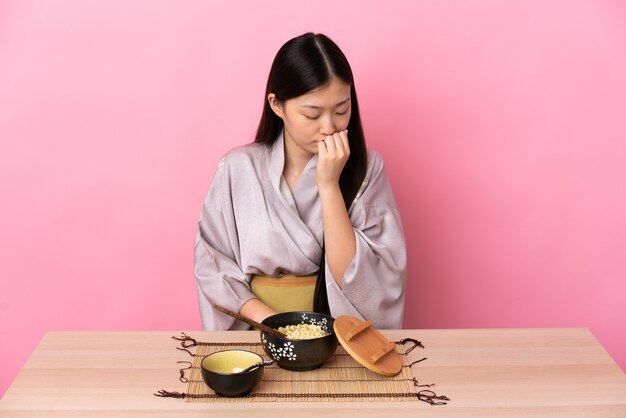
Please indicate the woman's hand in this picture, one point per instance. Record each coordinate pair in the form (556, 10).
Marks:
(256, 310)
(333, 152)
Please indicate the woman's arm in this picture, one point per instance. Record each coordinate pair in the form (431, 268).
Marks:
(220, 277)
(256, 310)
(372, 286)
(339, 238)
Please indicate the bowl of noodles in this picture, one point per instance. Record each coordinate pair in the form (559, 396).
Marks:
(310, 340)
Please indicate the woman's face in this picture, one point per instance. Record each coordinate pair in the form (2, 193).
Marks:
(311, 117)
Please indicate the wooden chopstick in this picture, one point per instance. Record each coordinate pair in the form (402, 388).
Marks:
(249, 321)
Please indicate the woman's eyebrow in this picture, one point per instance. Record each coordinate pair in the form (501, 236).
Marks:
(318, 107)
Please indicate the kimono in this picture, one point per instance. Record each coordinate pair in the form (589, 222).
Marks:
(249, 224)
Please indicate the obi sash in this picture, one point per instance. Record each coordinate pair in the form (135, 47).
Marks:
(285, 294)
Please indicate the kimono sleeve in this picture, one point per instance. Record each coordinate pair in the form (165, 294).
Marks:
(220, 279)
(373, 284)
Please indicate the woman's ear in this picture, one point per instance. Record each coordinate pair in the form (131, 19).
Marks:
(276, 105)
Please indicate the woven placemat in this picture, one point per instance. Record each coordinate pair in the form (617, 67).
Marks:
(341, 378)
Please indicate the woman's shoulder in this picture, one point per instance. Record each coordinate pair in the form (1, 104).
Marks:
(238, 162)
(375, 190)
(375, 163)
(243, 155)
(246, 151)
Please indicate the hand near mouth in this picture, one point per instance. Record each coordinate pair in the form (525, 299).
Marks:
(333, 152)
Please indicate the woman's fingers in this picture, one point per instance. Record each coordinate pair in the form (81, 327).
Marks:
(337, 144)
(321, 149)
(344, 141)
(330, 144)
(333, 152)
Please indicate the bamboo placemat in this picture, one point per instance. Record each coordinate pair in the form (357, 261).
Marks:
(341, 378)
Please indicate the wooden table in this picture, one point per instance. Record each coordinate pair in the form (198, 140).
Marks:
(485, 373)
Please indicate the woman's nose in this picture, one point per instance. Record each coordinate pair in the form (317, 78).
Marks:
(328, 127)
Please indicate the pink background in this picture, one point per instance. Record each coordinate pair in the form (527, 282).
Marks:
(502, 124)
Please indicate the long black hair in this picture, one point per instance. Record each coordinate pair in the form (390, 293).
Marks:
(302, 64)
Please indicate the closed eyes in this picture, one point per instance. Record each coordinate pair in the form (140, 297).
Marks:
(313, 118)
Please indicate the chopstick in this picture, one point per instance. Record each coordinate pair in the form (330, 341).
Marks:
(249, 321)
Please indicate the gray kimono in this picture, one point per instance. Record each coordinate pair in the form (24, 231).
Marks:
(247, 226)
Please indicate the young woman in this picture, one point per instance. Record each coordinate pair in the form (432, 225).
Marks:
(304, 218)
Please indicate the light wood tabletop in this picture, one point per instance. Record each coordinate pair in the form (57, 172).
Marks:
(485, 373)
